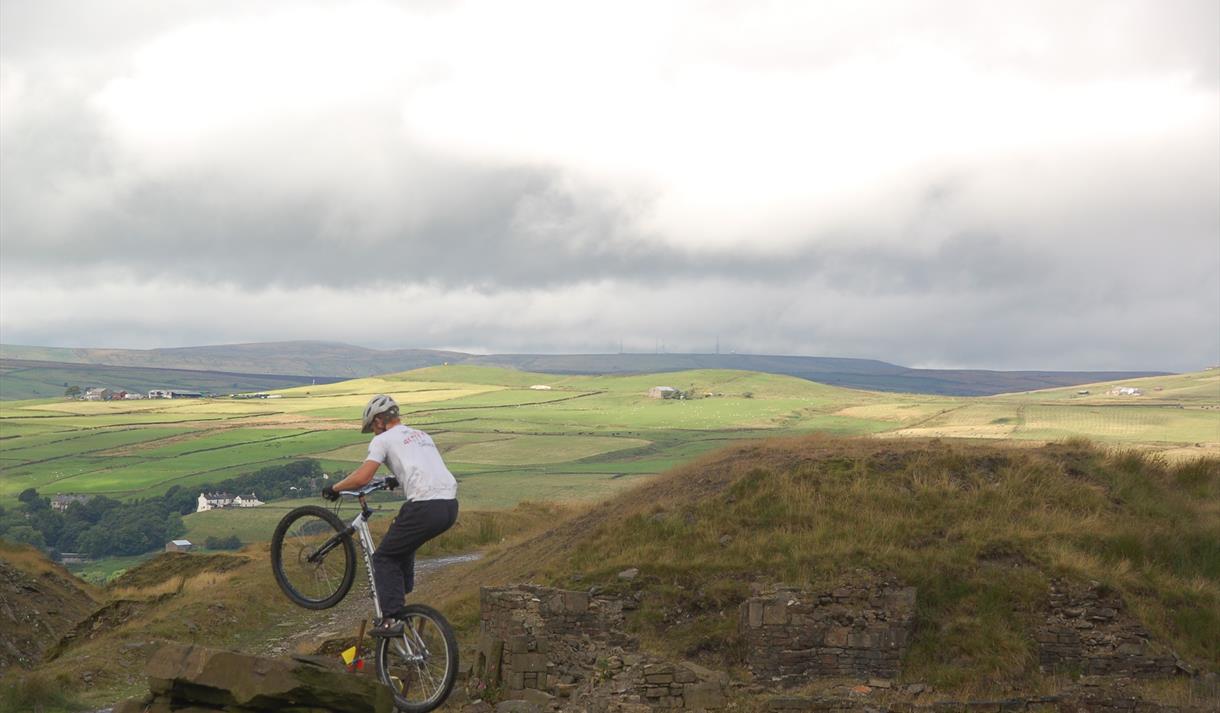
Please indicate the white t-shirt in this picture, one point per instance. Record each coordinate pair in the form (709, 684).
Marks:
(413, 458)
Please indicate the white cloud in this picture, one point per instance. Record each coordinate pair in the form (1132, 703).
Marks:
(561, 157)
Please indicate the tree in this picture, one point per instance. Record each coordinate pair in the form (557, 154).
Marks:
(223, 543)
(72, 392)
(33, 501)
(27, 535)
(174, 527)
(96, 542)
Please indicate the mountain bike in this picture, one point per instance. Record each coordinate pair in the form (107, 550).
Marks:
(313, 557)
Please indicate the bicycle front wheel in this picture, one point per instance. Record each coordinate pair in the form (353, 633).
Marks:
(421, 665)
(313, 557)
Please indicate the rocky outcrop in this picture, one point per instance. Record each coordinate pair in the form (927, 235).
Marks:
(39, 602)
(1038, 704)
(1088, 630)
(201, 679)
(1090, 694)
(569, 651)
(794, 636)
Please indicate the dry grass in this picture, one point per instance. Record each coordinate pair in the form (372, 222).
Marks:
(979, 528)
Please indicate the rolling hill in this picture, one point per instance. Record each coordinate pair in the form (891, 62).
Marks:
(583, 437)
(25, 379)
(330, 359)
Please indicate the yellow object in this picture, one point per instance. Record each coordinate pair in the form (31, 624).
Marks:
(349, 656)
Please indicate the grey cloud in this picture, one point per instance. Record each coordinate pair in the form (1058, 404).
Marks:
(1125, 275)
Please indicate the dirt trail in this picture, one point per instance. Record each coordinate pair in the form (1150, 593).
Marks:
(308, 632)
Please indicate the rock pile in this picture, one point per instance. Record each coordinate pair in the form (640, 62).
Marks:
(182, 676)
(794, 636)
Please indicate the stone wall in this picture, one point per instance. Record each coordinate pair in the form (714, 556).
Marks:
(565, 649)
(1088, 630)
(859, 631)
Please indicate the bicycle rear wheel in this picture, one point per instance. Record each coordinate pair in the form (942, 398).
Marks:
(420, 666)
(313, 557)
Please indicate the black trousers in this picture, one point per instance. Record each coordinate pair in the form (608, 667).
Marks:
(394, 561)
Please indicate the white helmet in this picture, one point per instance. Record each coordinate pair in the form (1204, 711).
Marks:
(377, 406)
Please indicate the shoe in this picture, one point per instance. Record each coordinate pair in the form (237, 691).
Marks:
(387, 628)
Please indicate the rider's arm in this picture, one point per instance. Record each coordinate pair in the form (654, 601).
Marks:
(359, 477)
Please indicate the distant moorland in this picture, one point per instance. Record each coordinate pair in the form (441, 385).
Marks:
(334, 360)
(26, 379)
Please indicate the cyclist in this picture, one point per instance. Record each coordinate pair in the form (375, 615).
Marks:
(431, 507)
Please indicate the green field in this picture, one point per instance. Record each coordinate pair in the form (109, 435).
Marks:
(585, 437)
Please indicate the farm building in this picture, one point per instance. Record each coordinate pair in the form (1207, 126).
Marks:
(61, 502)
(540, 387)
(217, 501)
(662, 392)
(178, 546)
(173, 394)
(97, 393)
(1126, 391)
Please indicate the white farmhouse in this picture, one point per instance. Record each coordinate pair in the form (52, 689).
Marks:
(540, 387)
(217, 501)
(213, 501)
(662, 392)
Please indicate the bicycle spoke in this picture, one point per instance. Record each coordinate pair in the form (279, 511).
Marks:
(419, 661)
(312, 577)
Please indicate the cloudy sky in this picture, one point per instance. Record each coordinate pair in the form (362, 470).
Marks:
(935, 183)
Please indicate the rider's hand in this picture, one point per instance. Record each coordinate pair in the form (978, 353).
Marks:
(391, 483)
(329, 493)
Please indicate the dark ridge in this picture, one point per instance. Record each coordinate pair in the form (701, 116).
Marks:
(329, 361)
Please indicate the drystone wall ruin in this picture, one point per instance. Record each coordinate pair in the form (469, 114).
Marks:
(1088, 630)
(555, 647)
(546, 649)
(858, 631)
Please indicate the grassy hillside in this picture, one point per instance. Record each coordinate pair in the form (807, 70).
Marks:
(869, 374)
(22, 379)
(980, 529)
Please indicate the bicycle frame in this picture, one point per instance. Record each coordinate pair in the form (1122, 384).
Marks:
(360, 527)
(410, 648)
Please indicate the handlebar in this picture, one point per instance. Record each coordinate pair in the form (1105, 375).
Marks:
(387, 483)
